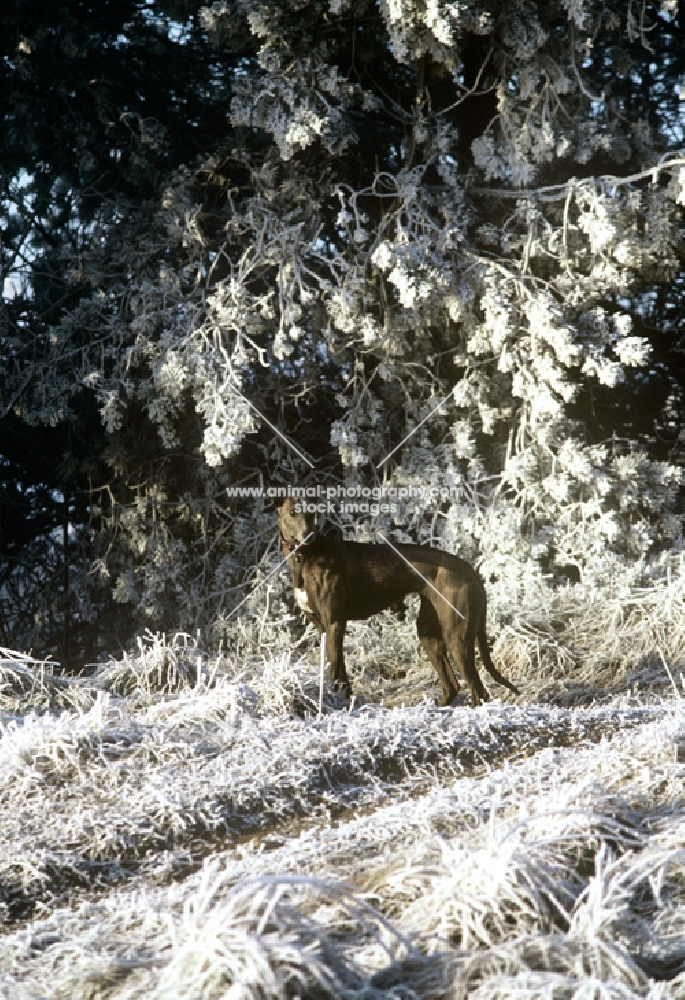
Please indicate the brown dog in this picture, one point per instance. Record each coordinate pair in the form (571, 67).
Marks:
(338, 581)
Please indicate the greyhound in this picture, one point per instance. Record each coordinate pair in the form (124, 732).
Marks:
(338, 581)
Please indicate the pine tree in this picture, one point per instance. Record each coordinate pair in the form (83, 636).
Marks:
(345, 216)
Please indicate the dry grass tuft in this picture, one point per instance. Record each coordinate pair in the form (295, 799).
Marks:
(29, 683)
(580, 643)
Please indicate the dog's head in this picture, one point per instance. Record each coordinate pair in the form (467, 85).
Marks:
(295, 525)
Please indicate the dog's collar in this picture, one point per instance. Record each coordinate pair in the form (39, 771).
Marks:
(288, 547)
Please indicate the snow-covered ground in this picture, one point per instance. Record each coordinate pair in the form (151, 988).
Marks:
(179, 827)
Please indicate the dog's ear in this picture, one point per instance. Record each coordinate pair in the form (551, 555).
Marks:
(278, 501)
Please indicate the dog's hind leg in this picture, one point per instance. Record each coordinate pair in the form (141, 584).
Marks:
(460, 639)
(431, 638)
(463, 648)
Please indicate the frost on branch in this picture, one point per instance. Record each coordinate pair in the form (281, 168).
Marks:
(435, 224)
(295, 114)
(227, 419)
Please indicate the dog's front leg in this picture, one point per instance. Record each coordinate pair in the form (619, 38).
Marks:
(335, 633)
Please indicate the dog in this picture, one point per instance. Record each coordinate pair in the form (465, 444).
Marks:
(339, 581)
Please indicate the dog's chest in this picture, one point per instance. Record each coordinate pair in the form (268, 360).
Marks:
(302, 599)
(316, 589)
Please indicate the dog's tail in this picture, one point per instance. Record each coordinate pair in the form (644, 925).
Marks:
(487, 659)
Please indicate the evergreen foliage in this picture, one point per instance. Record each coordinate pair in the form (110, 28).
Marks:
(339, 212)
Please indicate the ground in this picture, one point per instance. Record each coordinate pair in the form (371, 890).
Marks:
(183, 826)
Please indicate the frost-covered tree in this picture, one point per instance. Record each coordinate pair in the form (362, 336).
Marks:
(339, 214)
(102, 101)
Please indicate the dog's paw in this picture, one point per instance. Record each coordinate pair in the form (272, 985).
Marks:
(343, 688)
